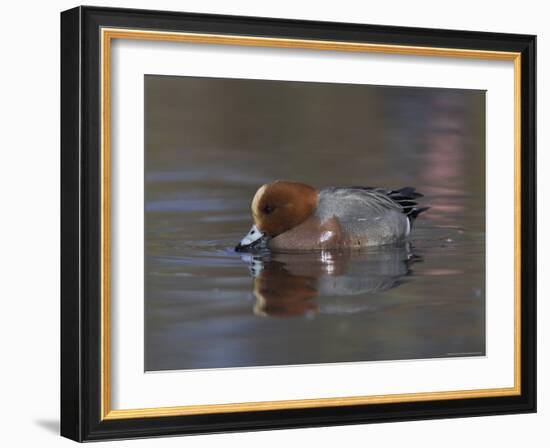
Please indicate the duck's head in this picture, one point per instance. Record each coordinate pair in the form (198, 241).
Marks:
(276, 208)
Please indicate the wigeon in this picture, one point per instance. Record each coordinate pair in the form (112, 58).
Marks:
(294, 216)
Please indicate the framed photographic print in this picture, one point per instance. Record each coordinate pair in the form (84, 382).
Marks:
(274, 223)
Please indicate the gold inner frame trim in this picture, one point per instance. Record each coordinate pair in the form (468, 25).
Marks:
(107, 35)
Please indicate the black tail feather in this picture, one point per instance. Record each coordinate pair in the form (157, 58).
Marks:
(415, 212)
(406, 198)
(407, 192)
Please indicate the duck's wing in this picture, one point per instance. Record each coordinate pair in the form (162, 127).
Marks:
(406, 197)
(355, 202)
(405, 192)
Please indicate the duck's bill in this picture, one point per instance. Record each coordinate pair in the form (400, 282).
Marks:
(254, 239)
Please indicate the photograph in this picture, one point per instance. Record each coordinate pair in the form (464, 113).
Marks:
(291, 223)
(273, 223)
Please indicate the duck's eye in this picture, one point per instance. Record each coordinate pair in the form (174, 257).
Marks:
(267, 209)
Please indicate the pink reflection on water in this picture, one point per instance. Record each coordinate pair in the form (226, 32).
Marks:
(443, 171)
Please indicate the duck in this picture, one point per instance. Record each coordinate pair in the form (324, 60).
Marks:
(293, 216)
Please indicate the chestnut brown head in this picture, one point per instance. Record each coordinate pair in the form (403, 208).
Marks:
(282, 205)
(278, 207)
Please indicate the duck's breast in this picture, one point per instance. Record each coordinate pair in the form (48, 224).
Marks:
(312, 234)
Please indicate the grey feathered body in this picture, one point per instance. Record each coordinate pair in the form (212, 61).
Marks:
(369, 216)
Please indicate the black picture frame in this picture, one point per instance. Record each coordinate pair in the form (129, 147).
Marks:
(81, 224)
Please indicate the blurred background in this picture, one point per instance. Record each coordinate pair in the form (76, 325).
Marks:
(210, 143)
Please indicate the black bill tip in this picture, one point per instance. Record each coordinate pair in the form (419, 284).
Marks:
(259, 244)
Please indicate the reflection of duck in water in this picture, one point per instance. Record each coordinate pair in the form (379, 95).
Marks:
(295, 216)
(290, 284)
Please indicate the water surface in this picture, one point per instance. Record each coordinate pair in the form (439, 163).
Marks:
(210, 143)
